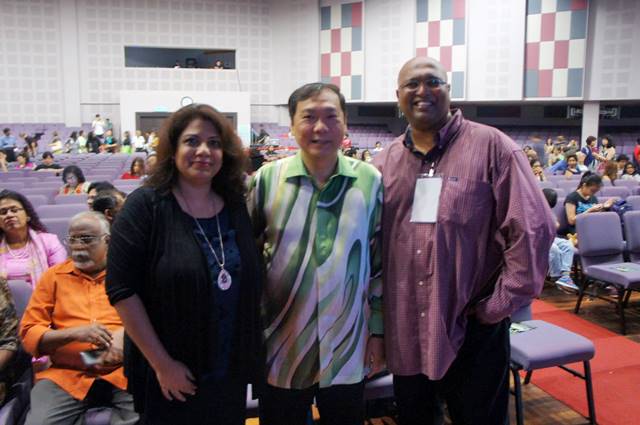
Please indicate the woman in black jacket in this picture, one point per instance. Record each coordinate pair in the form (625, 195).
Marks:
(184, 274)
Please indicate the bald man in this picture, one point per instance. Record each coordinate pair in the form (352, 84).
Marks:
(70, 319)
(466, 238)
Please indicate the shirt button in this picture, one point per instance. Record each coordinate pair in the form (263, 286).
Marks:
(420, 283)
(419, 252)
(422, 314)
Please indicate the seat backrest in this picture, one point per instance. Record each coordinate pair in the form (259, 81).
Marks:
(70, 199)
(599, 238)
(21, 293)
(61, 211)
(59, 226)
(632, 233)
(621, 192)
(634, 201)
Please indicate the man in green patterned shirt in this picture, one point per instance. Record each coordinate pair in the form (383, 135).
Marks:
(317, 217)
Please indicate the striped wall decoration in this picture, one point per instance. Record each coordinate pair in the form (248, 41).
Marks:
(341, 50)
(441, 34)
(555, 48)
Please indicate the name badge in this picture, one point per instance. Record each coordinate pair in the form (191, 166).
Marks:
(426, 199)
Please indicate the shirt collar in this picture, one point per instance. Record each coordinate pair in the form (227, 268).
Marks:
(69, 268)
(444, 135)
(297, 168)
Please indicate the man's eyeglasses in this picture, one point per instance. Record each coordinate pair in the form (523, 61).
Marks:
(12, 210)
(83, 239)
(432, 83)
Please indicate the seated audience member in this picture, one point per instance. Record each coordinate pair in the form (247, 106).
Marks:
(11, 365)
(139, 143)
(582, 167)
(572, 166)
(94, 143)
(561, 252)
(218, 64)
(150, 163)
(26, 250)
(93, 190)
(68, 314)
(623, 160)
(110, 143)
(126, 143)
(630, 172)
(82, 142)
(583, 200)
(136, 171)
(56, 146)
(48, 163)
(7, 140)
(636, 152)
(538, 171)
(24, 163)
(555, 156)
(365, 156)
(3, 162)
(109, 202)
(610, 172)
(378, 147)
(71, 145)
(74, 181)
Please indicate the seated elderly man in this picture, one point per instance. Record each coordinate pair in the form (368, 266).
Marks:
(70, 319)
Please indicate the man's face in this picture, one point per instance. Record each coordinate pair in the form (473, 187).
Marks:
(48, 160)
(88, 245)
(423, 95)
(319, 125)
(572, 162)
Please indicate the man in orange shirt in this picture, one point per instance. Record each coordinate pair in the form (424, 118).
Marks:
(68, 314)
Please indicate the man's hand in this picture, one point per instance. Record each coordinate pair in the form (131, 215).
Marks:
(95, 333)
(375, 358)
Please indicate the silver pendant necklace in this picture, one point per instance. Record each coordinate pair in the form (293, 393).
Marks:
(224, 277)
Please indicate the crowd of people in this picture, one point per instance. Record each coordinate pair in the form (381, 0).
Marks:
(315, 273)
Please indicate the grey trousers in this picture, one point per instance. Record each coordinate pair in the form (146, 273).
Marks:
(51, 405)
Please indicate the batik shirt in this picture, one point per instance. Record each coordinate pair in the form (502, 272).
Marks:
(323, 294)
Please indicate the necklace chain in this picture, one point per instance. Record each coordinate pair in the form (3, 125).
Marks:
(21, 254)
(220, 263)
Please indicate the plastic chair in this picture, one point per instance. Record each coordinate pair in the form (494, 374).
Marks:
(601, 258)
(634, 201)
(547, 345)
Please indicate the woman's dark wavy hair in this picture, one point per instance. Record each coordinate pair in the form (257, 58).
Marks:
(590, 178)
(35, 222)
(137, 159)
(229, 182)
(73, 169)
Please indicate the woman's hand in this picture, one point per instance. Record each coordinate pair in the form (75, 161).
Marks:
(176, 380)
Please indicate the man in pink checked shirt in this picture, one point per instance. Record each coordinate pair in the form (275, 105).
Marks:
(466, 238)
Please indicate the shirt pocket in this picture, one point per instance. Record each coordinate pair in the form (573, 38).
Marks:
(464, 201)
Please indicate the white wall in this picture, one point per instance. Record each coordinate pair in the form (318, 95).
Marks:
(30, 62)
(389, 43)
(496, 38)
(613, 60)
(169, 101)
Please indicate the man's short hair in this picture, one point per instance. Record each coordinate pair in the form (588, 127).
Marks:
(106, 199)
(623, 157)
(310, 90)
(47, 154)
(6, 130)
(590, 139)
(104, 223)
(99, 186)
(551, 196)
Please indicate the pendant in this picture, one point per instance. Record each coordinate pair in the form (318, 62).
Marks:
(224, 280)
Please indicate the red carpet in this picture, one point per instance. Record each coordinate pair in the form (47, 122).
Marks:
(615, 370)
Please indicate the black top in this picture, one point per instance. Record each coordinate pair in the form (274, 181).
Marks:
(224, 303)
(48, 167)
(581, 204)
(155, 254)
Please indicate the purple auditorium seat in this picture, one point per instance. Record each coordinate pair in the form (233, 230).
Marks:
(601, 258)
(60, 211)
(611, 191)
(632, 185)
(70, 199)
(634, 201)
(547, 184)
(37, 200)
(546, 345)
(48, 193)
(57, 226)
(568, 185)
(632, 233)
(562, 193)
(14, 185)
(21, 293)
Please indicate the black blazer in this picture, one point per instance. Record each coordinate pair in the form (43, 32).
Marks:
(154, 254)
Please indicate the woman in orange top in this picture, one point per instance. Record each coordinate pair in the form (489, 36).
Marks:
(74, 181)
(137, 170)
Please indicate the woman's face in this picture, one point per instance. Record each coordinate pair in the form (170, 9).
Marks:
(605, 143)
(138, 167)
(537, 167)
(198, 156)
(72, 179)
(630, 169)
(21, 160)
(12, 215)
(591, 189)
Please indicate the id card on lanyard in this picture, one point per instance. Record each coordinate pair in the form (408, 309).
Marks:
(426, 198)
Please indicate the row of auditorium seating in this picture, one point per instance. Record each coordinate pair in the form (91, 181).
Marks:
(622, 189)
